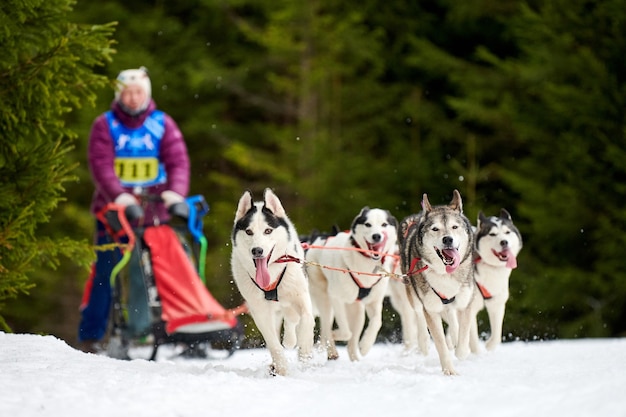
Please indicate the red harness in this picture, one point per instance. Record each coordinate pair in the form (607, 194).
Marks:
(364, 291)
(271, 292)
(483, 290)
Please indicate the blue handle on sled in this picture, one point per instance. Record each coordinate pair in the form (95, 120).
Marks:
(198, 208)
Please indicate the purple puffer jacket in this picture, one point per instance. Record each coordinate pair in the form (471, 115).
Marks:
(101, 154)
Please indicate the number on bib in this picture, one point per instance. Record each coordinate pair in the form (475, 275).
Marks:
(136, 170)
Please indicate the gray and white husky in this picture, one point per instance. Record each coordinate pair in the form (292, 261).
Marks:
(436, 254)
(267, 267)
(497, 244)
(348, 281)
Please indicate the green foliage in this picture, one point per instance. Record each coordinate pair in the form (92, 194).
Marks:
(559, 106)
(570, 113)
(45, 72)
(337, 105)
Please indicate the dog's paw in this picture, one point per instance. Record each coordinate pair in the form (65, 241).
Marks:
(341, 335)
(353, 354)
(492, 343)
(305, 355)
(450, 371)
(332, 353)
(364, 348)
(462, 352)
(275, 370)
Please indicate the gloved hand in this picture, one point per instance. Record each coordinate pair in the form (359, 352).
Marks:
(126, 199)
(171, 197)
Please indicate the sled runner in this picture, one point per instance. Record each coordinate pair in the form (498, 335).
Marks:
(163, 297)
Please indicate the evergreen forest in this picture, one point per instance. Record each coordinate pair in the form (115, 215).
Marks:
(335, 105)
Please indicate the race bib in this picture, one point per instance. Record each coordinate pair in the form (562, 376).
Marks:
(137, 170)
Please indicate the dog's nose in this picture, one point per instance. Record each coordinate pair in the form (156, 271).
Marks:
(447, 240)
(504, 243)
(376, 237)
(257, 252)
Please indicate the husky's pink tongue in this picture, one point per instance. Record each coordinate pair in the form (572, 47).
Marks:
(454, 255)
(508, 256)
(262, 277)
(511, 260)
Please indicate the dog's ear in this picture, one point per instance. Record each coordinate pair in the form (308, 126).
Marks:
(457, 202)
(273, 204)
(505, 215)
(244, 205)
(425, 203)
(481, 219)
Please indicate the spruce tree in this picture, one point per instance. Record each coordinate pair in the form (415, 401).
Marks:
(46, 71)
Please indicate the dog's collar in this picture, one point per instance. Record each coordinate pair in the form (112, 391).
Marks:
(356, 245)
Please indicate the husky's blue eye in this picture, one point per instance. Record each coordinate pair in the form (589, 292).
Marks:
(249, 232)
(268, 231)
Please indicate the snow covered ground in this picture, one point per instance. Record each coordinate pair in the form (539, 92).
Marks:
(43, 376)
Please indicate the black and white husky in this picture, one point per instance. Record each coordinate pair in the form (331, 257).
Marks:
(267, 267)
(436, 255)
(498, 242)
(348, 280)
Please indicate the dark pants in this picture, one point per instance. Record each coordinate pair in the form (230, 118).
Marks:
(97, 297)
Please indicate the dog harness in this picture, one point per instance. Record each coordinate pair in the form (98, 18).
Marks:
(443, 299)
(271, 293)
(483, 291)
(137, 150)
(414, 271)
(363, 291)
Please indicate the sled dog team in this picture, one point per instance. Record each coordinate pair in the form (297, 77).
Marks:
(434, 265)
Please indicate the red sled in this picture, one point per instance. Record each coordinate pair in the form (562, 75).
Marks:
(163, 299)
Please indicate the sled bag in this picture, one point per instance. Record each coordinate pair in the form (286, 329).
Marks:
(186, 304)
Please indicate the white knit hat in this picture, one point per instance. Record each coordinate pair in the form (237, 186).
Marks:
(137, 77)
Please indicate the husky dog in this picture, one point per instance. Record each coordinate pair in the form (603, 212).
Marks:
(415, 335)
(348, 280)
(266, 265)
(497, 244)
(436, 254)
